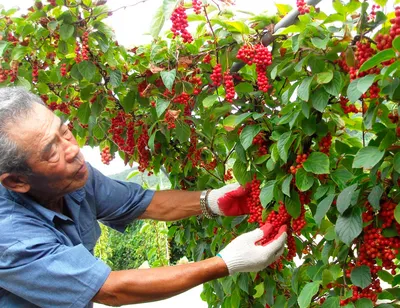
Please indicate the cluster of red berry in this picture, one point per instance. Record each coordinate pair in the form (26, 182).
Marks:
(63, 107)
(384, 41)
(194, 154)
(63, 69)
(106, 156)
(85, 46)
(302, 7)
(347, 108)
(170, 117)
(216, 76)
(119, 123)
(207, 58)
(375, 249)
(143, 151)
(196, 4)
(393, 117)
(229, 87)
(261, 141)
(12, 39)
(180, 24)
(35, 72)
(209, 166)
(183, 98)
(52, 2)
(197, 83)
(372, 15)
(254, 203)
(262, 57)
(228, 175)
(78, 56)
(325, 144)
(300, 159)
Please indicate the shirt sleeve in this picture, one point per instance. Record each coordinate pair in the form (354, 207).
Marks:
(117, 203)
(49, 274)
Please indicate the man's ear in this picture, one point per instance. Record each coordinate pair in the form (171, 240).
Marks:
(14, 182)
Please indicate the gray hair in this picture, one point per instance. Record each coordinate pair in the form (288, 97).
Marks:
(15, 103)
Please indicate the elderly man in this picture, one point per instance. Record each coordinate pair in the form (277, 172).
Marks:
(51, 200)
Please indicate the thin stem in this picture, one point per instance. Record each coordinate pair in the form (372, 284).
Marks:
(213, 33)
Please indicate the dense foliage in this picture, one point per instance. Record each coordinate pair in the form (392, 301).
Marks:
(306, 113)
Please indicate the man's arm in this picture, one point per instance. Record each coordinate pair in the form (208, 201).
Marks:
(243, 254)
(145, 285)
(169, 205)
(229, 200)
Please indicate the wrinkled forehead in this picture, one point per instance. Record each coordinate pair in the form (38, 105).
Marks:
(31, 127)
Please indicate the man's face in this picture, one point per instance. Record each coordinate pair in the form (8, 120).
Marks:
(52, 153)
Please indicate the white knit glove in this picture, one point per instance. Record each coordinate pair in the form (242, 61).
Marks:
(243, 255)
(229, 200)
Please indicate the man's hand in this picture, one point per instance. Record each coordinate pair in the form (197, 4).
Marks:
(244, 255)
(229, 200)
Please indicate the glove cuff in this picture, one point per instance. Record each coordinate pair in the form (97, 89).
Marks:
(212, 201)
(233, 266)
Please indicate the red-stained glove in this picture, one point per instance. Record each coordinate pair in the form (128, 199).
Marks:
(244, 255)
(229, 200)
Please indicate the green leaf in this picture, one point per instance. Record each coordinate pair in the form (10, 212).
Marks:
(307, 293)
(380, 57)
(182, 131)
(128, 101)
(286, 185)
(237, 26)
(240, 172)
(293, 205)
(325, 77)
(157, 23)
(349, 226)
(358, 87)
(115, 78)
(368, 157)
(209, 101)
(396, 162)
(344, 199)
(247, 135)
(364, 303)
(335, 86)
(361, 276)
(234, 120)
(385, 276)
(19, 52)
(397, 213)
(374, 197)
(161, 106)
(3, 46)
(259, 290)
(244, 87)
(66, 31)
(87, 69)
(323, 208)
(284, 143)
(168, 78)
(243, 282)
(267, 193)
(84, 113)
(396, 43)
(304, 89)
(319, 99)
(317, 163)
(303, 180)
(331, 302)
(341, 176)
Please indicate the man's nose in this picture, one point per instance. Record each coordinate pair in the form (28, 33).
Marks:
(71, 152)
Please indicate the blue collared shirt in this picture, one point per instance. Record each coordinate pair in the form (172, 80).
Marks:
(46, 258)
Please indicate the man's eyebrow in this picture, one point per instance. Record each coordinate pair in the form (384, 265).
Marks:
(48, 146)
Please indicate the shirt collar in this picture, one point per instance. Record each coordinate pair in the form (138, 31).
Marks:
(48, 214)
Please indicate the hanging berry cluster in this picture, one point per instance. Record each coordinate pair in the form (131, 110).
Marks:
(262, 57)
(325, 144)
(216, 76)
(302, 7)
(375, 251)
(300, 159)
(106, 156)
(180, 24)
(229, 87)
(196, 4)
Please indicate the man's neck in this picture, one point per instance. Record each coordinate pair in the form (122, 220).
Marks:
(55, 204)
